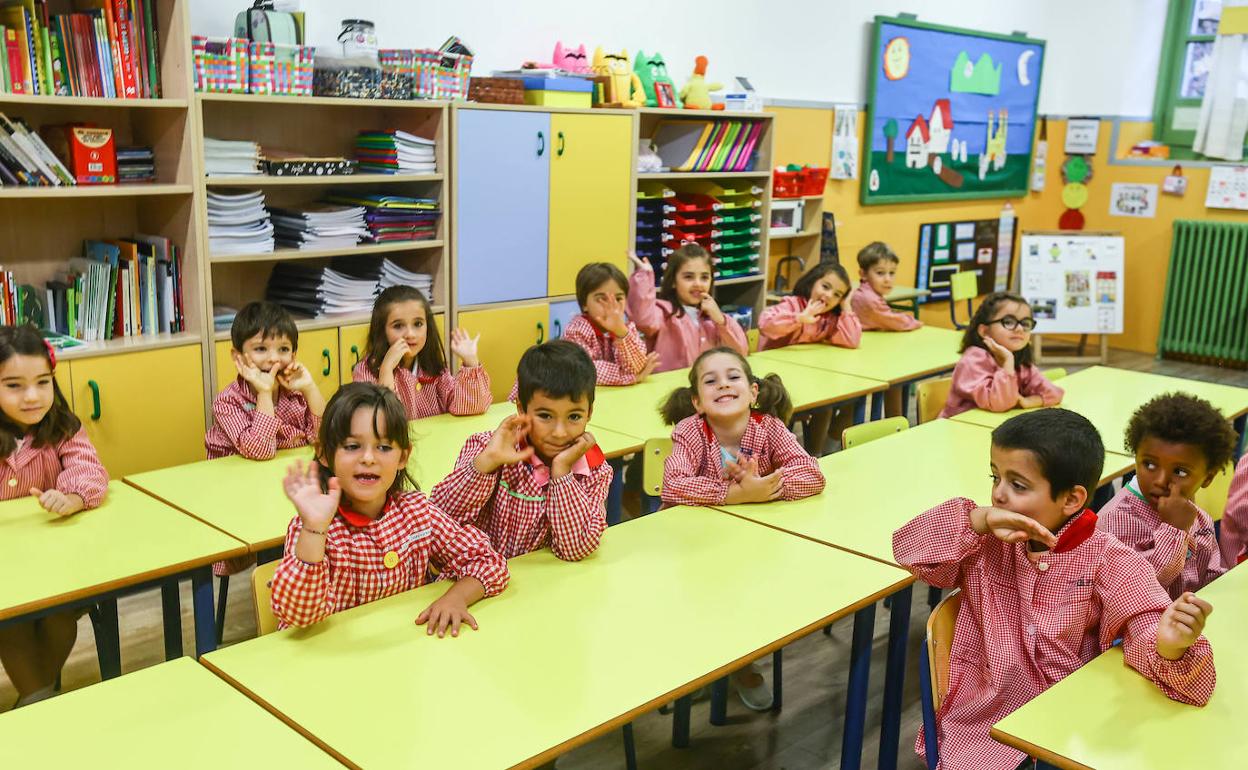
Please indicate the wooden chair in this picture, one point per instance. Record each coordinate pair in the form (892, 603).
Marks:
(261, 594)
(751, 339)
(870, 431)
(963, 287)
(1213, 497)
(656, 452)
(931, 397)
(934, 669)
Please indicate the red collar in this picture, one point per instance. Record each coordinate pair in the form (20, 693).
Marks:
(598, 330)
(755, 417)
(1075, 531)
(356, 519)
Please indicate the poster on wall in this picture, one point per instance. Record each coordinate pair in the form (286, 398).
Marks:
(1073, 282)
(1228, 188)
(1133, 200)
(845, 142)
(951, 113)
(984, 246)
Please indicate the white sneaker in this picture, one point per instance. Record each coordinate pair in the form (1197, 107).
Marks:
(757, 698)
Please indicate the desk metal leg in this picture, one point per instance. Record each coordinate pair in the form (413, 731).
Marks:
(777, 679)
(630, 749)
(905, 400)
(205, 621)
(171, 609)
(856, 694)
(860, 411)
(108, 640)
(680, 722)
(894, 678)
(719, 702)
(615, 493)
(877, 405)
(1241, 426)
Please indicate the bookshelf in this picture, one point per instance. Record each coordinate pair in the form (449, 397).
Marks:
(786, 249)
(749, 290)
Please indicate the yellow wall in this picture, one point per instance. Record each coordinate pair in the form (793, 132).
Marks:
(805, 136)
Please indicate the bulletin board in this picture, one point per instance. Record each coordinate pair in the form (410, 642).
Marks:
(1073, 281)
(951, 113)
(946, 248)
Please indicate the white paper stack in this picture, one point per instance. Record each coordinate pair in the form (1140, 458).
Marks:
(223, 157)
(393, 275)
(238, 223)
(395, 152)
(320, 291)
(320, 226)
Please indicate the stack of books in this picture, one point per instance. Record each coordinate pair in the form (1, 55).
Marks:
(223, 157)
(25, 159)
(238, 223)
(319, 226)
(136, 164)
(395, 152)
(111, 50)
(393, 275)
(394, 217)
(313, 291)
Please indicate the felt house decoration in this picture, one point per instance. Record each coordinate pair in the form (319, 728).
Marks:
(918, 137)
(940, 127)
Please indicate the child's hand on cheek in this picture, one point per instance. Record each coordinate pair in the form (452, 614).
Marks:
(262, 381)
(563, 462)
(465, 347)
(711, 308)
(296, 377)
(611, 317)
(847, 307)
(1002, 354)
(814, 309)
(501, 450)
(1176, 510)
(394, 356)
(55, 501)
(1181, 625)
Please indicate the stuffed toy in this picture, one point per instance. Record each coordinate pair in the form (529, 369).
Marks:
(697, 92)
(623, 86)
(658, 85)
(571, 60)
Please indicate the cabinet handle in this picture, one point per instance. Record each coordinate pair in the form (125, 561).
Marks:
(541, 144)
(355, 351)
(95, 399)
(557, 329)
(559, 151)
(541, 332)
(328, 361)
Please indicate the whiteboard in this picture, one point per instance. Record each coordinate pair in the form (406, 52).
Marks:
(1073, 282)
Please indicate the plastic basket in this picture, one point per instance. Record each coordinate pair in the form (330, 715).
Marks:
(221, 64)
(812, 179)
(278, 68)
(786, 184)
(440, 75)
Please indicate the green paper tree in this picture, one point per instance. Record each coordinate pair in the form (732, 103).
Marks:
(890, 133)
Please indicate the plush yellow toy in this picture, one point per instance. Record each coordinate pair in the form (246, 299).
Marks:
(697, 92)
(623, 87)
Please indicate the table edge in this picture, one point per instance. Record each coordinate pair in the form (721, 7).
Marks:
(248, 546)
(1032, 750)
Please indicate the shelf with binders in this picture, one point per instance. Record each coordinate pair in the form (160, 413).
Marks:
(704, 144)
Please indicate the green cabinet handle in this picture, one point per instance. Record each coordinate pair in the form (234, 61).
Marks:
(541, 144)
(355, 351)
(541, 332)
(328, 361)
(95, 399)
(557, 329)
(559, 151)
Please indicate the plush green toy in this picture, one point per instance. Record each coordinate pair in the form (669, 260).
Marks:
(658, 85)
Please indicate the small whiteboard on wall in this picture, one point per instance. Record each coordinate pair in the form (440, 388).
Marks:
(1073, 281)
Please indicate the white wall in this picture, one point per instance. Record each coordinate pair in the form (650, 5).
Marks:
(1101, 57)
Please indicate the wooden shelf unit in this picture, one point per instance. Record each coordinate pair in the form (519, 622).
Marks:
(805, 244)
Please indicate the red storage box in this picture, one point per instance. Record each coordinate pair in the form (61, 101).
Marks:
(811, 180)
(785, 184)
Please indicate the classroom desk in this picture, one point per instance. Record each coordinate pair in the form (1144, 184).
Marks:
(130, 543)
(175, 714)
(874, 489)
(906, 298)
(245, 497)
(668, 603)
(1105, 715)
(1108, 397)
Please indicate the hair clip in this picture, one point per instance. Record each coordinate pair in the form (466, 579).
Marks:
(51, 353)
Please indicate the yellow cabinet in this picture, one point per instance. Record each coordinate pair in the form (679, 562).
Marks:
(226, 371)
(506, 333)
(351, 343)
(318, 350)
(590, 194)
(142, 410)
(64, 382)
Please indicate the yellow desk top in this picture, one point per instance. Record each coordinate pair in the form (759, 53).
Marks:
(874, 489)
(889, 356)
(1105, 715)
(905, 293)
(1108, 397)
(176, 714)
(47, 560)
(213, 490)
(810, 387)
(568, 652)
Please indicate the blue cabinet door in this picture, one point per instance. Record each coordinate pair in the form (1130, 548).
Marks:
(502, 181)
(560, 314)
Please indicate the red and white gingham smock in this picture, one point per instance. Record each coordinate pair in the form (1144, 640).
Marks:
(467, 392)
(617, 359)
(237, 428)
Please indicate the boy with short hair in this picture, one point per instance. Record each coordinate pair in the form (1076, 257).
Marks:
(1043, 591)
(877, 266)
(539, 479)
(274, 403)
(610, 339)
(1180, 443)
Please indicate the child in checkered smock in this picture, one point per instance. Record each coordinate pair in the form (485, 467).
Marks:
(361, 535)
(45, 453)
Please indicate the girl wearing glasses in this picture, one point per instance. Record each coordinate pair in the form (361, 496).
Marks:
(996, 371)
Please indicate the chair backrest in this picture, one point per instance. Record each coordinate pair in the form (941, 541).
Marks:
(870, 431)
(1213, 497)
(939, 640)
(964, 285)
(656, 452)
(261, 592)
(931, 396)
(1055, 373)
(751, 339)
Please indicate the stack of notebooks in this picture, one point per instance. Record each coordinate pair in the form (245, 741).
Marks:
(223, 317)
(136, 164)
(25, 159)
(395, 152)
(223, 157)
(349, 286)
(121, 288)
(708, 145)
(393, 275)
(319, 226)
(394, 217)
(111, 50)
(238, 223)
(724, 220)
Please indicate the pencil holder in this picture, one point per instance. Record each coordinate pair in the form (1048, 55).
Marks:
(221, 64)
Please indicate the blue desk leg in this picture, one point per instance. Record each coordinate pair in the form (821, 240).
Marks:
(856, 694)
(630, 749)
(108, 643)
(877, 405)
(905, 398)
(1241, 425)
(894, 678)
(719, 702)
(860, 411)
(205, 621)
(171, 609)
(680, 722)
(615, 493)
(777, 679)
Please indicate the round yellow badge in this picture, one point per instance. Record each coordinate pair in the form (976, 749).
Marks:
(1074, 195)
(391, 560)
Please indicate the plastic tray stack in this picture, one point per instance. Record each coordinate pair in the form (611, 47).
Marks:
(723, 220)
(653, 216)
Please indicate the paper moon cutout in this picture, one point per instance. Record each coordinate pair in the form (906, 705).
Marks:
(1024, 59)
